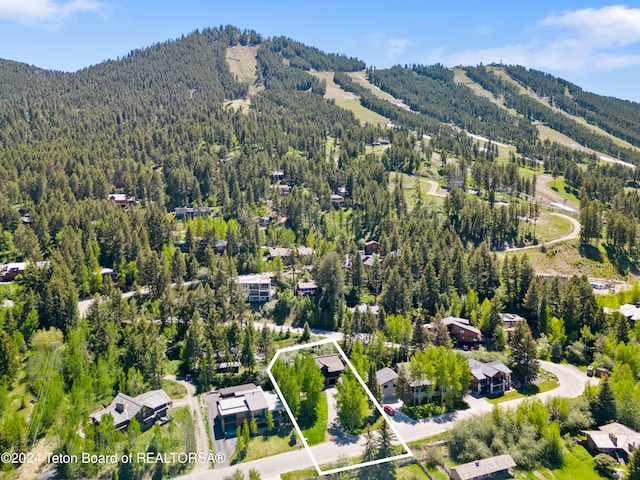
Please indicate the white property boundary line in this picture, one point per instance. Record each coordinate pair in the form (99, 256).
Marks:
(371, 397)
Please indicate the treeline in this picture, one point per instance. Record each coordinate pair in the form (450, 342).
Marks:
(615, 116)
(305, 58)
(433, 92)
(533, 110)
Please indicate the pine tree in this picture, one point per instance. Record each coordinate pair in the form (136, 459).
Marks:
(523, 352)
(604, 407)
(633, 470)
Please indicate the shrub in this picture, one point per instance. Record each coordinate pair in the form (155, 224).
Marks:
(605, 465)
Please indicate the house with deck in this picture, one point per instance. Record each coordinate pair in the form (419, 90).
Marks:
(489, 378)
(146, 408)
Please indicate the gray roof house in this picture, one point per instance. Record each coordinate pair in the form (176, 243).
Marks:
(146, 408)
(489, 378)
(499, 466)
(386, 378)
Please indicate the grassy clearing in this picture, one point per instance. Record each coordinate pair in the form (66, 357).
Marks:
(242, 62)
(349, 101)
(578, 463)
(565, 191)
(172, 367)
(525, 391)
(267, 445)
(318, 432)
(550, 227)
(547, 133)
(174, 389)
(411, 472)
(565, 258)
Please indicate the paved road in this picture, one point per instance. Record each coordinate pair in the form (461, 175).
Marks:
(572, 382)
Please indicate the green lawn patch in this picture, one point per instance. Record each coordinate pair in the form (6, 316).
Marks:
(411, 472)
(317, 433)
(266, 445)
(172, 367)
(526, 391)
(578, 463)
(174, 389)
(565, 191)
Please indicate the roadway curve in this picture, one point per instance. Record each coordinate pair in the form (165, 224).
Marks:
(574, 233)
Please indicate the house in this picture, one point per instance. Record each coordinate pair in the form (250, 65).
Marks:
(386, 378)
(121, 199)
(228, 367)
(285, 190)
(182, 213)
(631, 311)
(337, 200)
(363, 308)
(220, 247)
(500, 466)
(371, 247)
(307, 289)
(489, 378)
(257, 287)
(285, 253)
(462, 332)
(277, 175)
(509, 321)
(245, 402)
(331, 367)
(421, 388)
(146, 408)
(613, 439)
(263, 221)
(111, 274)
(12, 270)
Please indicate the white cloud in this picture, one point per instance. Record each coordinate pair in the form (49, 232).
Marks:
(46, 13)
(572, 41)
(396, 46)
(612, 26)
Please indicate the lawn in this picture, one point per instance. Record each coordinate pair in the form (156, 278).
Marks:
(318, 432)
(550, 227)
(411, 472)
(174, 389)
(578, 463)
(267, 445)
(526, 391)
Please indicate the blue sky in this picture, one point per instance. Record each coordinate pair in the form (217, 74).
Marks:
(593, 44)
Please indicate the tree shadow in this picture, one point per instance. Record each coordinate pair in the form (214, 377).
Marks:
(591, 252)
(340, 436)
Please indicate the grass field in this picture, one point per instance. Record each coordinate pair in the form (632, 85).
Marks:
(578, 464)
(174, 389)
(267, 445)
(349, 101)
(411, 472)
(561, 188)
(318, 432)
(550, 227)
(525, 391)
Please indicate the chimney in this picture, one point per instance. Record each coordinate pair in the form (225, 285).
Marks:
(614, 439)
(120, 406)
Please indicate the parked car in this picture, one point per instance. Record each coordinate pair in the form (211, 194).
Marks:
(389, 410)
(590, 371)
